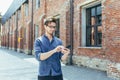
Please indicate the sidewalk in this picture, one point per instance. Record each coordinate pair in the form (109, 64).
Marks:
(19, 66)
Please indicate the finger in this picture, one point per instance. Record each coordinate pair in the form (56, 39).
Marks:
(66, 49)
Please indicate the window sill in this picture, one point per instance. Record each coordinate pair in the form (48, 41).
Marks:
(91, 47)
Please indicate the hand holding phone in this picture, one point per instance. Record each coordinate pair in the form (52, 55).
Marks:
(65, 51)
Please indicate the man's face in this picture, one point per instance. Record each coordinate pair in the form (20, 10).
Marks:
(50, 29)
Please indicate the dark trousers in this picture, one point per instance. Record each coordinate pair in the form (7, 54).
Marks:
(58, 77)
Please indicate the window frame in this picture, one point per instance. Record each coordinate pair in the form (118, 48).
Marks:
(83, 23)
(95, 26)
(36, 31)
(37, 4)
(19, 14)
(57, 31)
(26, 9)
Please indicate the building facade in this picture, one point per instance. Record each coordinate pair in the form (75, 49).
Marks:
(95, 30)
(0, 26)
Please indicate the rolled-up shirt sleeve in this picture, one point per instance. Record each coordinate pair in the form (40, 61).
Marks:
(37, 49)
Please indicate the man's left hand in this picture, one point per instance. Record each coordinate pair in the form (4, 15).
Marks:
(65, 51)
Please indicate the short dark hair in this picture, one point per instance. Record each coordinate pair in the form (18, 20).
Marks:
(47, 21)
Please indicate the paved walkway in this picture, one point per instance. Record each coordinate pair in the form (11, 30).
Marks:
(19, 66)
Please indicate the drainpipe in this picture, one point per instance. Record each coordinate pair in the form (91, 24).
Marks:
(31, 30)
(16, 31)
(70, 62)
(0, 28)
(9, 35)
(0, 22)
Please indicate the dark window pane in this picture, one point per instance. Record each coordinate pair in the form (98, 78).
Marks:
(99, 35)
(57, 28)
(37, 4)
(99, 19)
(98, 10)
(88, 36)
(93, 12)
(88, 17)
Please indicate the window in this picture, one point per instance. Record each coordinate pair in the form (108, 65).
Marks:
(19, 14)
(14, 18)
(11, 21)
(93, 26)
(37, 4)
(36, 31)
(57, 28)
(26, 9)
(25, 35)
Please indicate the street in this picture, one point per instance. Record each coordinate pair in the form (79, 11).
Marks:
(19, 66)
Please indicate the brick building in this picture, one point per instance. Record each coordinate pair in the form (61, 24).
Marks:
(0, 26)
(90, 27)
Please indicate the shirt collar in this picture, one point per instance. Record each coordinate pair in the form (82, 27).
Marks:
(48, 39)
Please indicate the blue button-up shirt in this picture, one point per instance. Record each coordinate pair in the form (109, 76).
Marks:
(52, 64)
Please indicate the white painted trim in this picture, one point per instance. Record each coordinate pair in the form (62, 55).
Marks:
(54, 16)
(83, 27)
(92, 4)
(86, 3)
(91, 47)
(57, 16)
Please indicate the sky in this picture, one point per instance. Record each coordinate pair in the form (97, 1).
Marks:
(4, 5)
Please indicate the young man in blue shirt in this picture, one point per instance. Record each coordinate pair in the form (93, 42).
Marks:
(49, 52)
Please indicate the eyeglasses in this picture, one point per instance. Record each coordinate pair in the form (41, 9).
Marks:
(52, 26)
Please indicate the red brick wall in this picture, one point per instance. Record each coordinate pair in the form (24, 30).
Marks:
(111, 35)
(54, 7)
(111, 26)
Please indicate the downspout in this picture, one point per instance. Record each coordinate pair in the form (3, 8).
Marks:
(16, 31)
(0, 28)
(71, 31)
(8, 34)
(31, 30)
(0, 23)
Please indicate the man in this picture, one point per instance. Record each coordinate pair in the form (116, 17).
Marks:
(49, 51)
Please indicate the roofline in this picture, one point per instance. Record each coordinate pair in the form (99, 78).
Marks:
(12, 9)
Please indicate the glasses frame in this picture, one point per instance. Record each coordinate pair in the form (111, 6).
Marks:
(52, 27)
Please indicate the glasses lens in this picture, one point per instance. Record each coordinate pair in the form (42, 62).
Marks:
(52, 26)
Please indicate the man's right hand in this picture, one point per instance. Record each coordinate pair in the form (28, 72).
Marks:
(58, 48)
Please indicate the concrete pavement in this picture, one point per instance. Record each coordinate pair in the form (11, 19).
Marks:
(19, 66)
